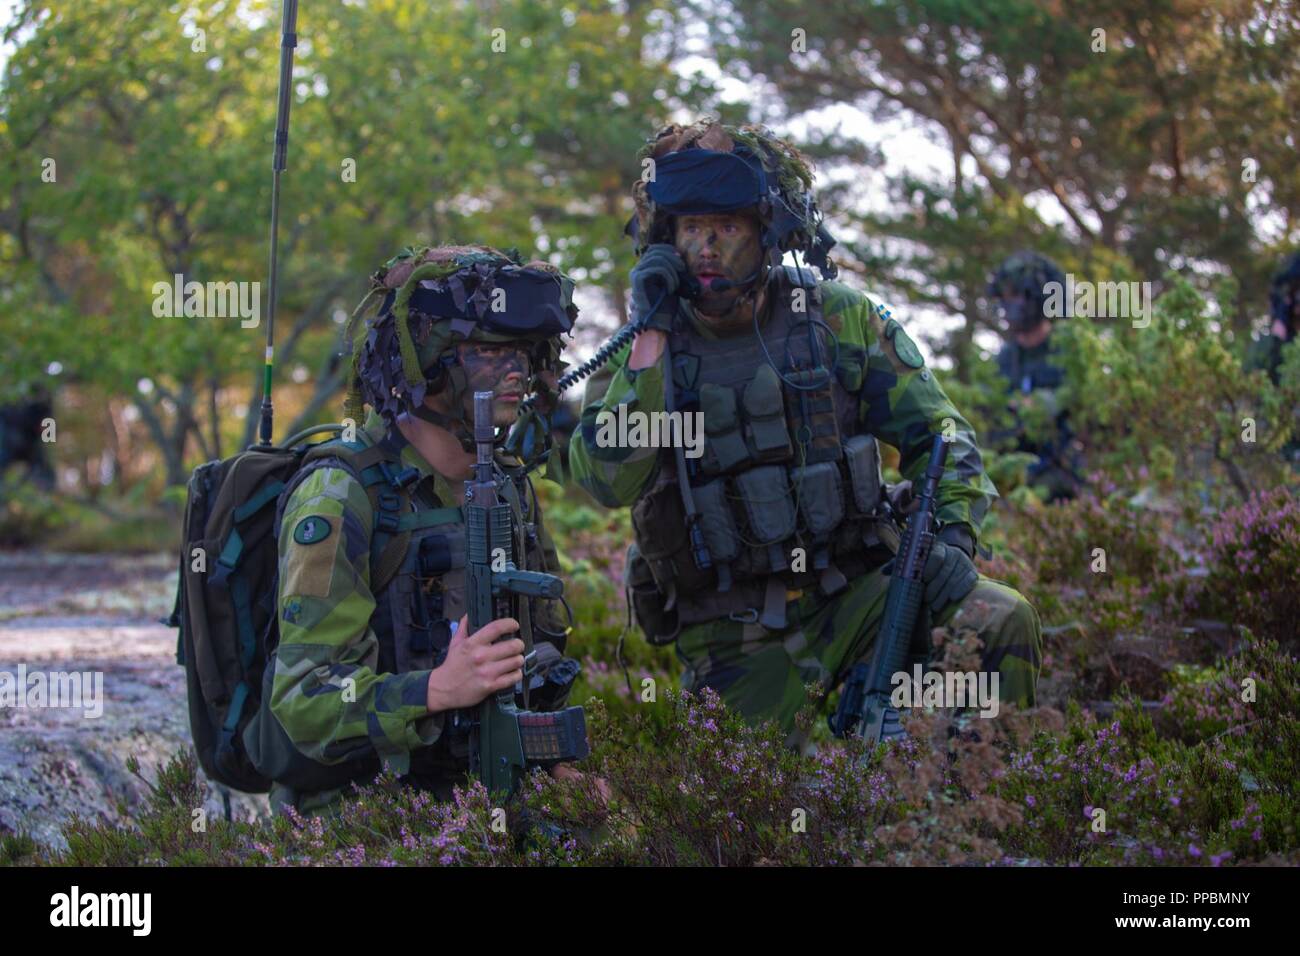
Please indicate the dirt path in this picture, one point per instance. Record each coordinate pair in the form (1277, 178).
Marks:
(96, 614)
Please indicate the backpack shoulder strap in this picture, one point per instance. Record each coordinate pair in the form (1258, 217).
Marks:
(377, 467)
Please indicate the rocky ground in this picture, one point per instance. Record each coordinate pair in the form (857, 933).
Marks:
(91, 613)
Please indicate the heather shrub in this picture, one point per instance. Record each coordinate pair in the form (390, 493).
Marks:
(691, 783)
(1227, 796)
(1254, 561)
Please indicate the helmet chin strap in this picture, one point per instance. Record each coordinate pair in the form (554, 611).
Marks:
(458, 427)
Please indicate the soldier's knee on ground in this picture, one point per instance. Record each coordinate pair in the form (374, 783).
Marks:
(1012, 636)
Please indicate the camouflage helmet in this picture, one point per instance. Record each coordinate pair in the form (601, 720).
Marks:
(431, 299)
(1024, 273)
(709, 167)
(1284, 292)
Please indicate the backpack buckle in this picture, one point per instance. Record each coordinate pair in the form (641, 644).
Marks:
(400, 479)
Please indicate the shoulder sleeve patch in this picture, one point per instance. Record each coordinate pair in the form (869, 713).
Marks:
(904, 347)
(305, 570)
(311, 530)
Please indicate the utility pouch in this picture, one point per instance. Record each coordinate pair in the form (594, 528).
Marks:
(659, 625)
(719, 527)
(660, 522)
(863, 458)
(765, 412)
(769, 509)
(725, 448)
(821, 498)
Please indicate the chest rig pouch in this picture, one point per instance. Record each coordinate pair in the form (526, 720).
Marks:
(786, 495)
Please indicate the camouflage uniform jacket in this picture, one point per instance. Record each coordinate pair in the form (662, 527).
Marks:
(336, 635)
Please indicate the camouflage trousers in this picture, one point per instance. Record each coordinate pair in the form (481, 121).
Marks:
(761, 674)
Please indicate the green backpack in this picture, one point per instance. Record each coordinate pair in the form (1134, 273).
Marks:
(226, 596)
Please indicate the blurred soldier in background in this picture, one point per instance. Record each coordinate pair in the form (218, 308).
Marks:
(20, 436)
(1266, 352)
(1027, 362)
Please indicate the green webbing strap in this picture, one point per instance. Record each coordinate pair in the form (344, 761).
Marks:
(371, 455)
(386, 549)
(374, 475)
(233, 549)
(427, 519)
(237, 703)
(258, 501)
(243, 620)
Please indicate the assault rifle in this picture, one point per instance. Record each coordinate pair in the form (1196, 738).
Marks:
(505, 738)
(864, 707)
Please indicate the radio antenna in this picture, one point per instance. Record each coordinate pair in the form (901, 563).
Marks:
(288, 40)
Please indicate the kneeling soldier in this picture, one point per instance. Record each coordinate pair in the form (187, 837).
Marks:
(375, 662)
(764, 557)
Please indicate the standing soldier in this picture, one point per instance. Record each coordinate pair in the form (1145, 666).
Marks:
(1284, 305)
(1027, 362)
(765, 557)
(1266, 352)
(361, 673)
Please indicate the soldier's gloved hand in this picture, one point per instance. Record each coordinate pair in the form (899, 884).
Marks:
(655, 279)
(949, 572)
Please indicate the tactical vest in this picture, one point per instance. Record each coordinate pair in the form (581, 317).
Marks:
(1030, 369)
(787, 491)
(414, 610)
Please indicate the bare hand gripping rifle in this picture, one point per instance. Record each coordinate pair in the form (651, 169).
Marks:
(865, 710)
(506, 739)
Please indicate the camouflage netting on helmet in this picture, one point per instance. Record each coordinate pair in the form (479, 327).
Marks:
(399, 356)
(780, 160)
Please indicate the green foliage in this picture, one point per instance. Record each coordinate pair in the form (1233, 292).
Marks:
(162, 150)
(17, 848)
(1125, 144)
(1170, 401)
(691, 783)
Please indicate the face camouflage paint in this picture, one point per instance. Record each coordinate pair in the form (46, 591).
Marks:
(722, 246)
(500, 368)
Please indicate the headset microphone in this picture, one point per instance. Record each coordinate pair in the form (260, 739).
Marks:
(726, 285)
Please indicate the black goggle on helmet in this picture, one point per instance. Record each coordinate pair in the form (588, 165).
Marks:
(475, 295)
